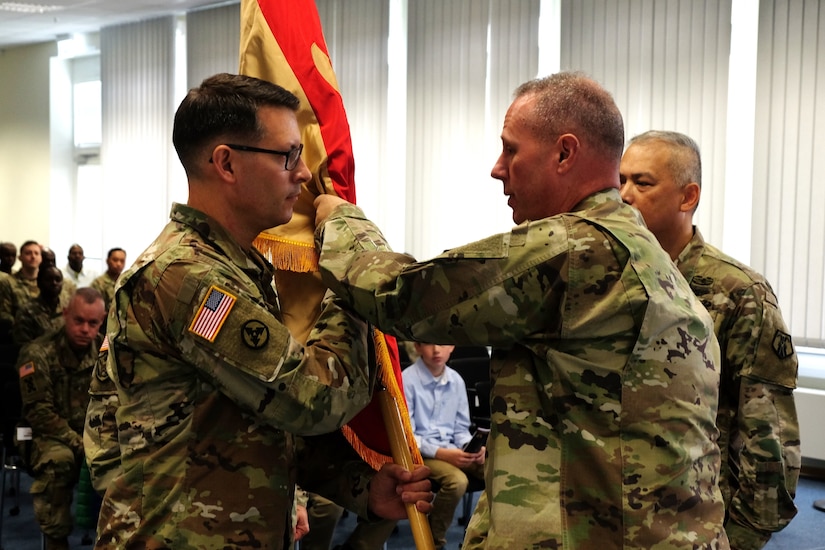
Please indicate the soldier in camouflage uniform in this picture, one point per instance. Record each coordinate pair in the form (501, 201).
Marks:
(44, 313)
(604, 366)
(105, 284)
(211, 385)
(26, 276)
(55, 371)
(661, 175)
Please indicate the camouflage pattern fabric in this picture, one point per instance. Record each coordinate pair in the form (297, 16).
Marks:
(604, 372)
(106, 286)
(100, 441)
(34, 319)
(8, 301)
(210, 385)
(759, 429)
(25, 287)
(8, 309)
(54, 383)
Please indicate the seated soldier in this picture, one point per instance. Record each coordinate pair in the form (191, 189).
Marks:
(26, 277)
(55, 373)
(44, 313)
(440, 416)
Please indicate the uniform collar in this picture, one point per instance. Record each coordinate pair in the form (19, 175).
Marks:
(689, 257)
(216, 235)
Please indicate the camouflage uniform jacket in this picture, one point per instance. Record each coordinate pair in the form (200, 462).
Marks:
(25, 287)
(106, 286)
(8, 302)
(210, 384)
(759, 430)
(8, 309)
(604, 372)
(34, 319)
(100, 438)
(54, 383)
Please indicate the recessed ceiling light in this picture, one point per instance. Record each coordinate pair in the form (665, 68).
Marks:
(28, 8)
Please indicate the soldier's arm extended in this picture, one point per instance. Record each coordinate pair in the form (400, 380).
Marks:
(764, 454)
(417, 301)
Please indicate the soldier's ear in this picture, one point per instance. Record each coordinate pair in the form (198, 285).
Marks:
(690, 197)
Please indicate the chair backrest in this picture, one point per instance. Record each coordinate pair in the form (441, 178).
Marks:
(471, 369)
(475, 370)
(480, 408)
(464, 352)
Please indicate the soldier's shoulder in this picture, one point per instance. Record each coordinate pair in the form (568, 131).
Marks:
(727, 274)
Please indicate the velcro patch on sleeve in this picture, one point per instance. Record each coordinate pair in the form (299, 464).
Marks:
(212, 313)
(27, 369)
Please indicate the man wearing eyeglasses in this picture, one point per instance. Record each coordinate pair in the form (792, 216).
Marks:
(211, 386)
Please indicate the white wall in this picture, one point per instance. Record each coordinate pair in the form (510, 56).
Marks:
(25, 169)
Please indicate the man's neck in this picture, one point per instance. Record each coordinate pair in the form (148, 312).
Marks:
(218, 211)
(678, 243)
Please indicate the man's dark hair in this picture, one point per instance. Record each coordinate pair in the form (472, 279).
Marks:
(29, 243)
(572, 102)
(224, 106)
(112, 251)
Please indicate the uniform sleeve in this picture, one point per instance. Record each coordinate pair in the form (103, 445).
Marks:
(37, 393)
(100, 440)
(494, 291)
(765, 450)
(220, 326)
(328, 466)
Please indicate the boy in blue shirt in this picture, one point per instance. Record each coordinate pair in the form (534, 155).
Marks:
(440, 416)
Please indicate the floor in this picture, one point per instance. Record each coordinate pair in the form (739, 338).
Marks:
(805, 532)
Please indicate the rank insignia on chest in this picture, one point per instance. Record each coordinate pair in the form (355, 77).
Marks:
(212, 313)
(27, 369)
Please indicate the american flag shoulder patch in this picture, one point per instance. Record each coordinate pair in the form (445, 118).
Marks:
(212, 313)
(105, 345)
(27, 369)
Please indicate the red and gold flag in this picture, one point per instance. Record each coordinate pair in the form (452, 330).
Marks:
(282, 41)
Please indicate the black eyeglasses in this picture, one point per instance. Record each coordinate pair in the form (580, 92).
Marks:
(291, 157)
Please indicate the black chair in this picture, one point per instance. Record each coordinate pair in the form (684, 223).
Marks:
(480, 405)
(471, 369)
(472, 352)
(476, 374)
(475, 484)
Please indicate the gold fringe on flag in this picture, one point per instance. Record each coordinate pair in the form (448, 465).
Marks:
(287, 254)
(390, 386)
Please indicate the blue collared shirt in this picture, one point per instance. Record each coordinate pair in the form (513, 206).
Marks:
(439, 411)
